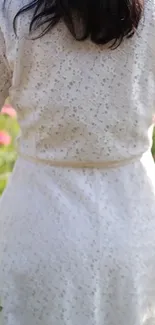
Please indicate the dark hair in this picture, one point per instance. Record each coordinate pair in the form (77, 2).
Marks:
(101, 20)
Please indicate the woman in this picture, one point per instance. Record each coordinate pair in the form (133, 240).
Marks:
(77, 244)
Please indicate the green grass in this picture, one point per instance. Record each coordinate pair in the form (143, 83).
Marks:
(7, 153)
(153, 147)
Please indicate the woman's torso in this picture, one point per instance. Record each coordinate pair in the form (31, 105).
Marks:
(77, 101)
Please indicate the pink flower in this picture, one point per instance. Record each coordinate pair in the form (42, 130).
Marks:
(9, 110)
(5, 138)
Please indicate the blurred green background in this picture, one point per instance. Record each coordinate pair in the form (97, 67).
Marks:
(153, 147)
(9, 130)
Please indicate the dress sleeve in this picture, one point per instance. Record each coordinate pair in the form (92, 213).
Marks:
(5, 73)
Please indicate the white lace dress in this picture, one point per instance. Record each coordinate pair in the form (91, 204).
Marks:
(77, 238)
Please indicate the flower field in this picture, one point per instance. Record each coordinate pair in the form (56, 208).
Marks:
(9, 130)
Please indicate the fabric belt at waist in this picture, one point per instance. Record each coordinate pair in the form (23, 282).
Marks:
(81, 164)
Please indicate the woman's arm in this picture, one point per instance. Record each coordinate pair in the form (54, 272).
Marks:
(5, 73)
